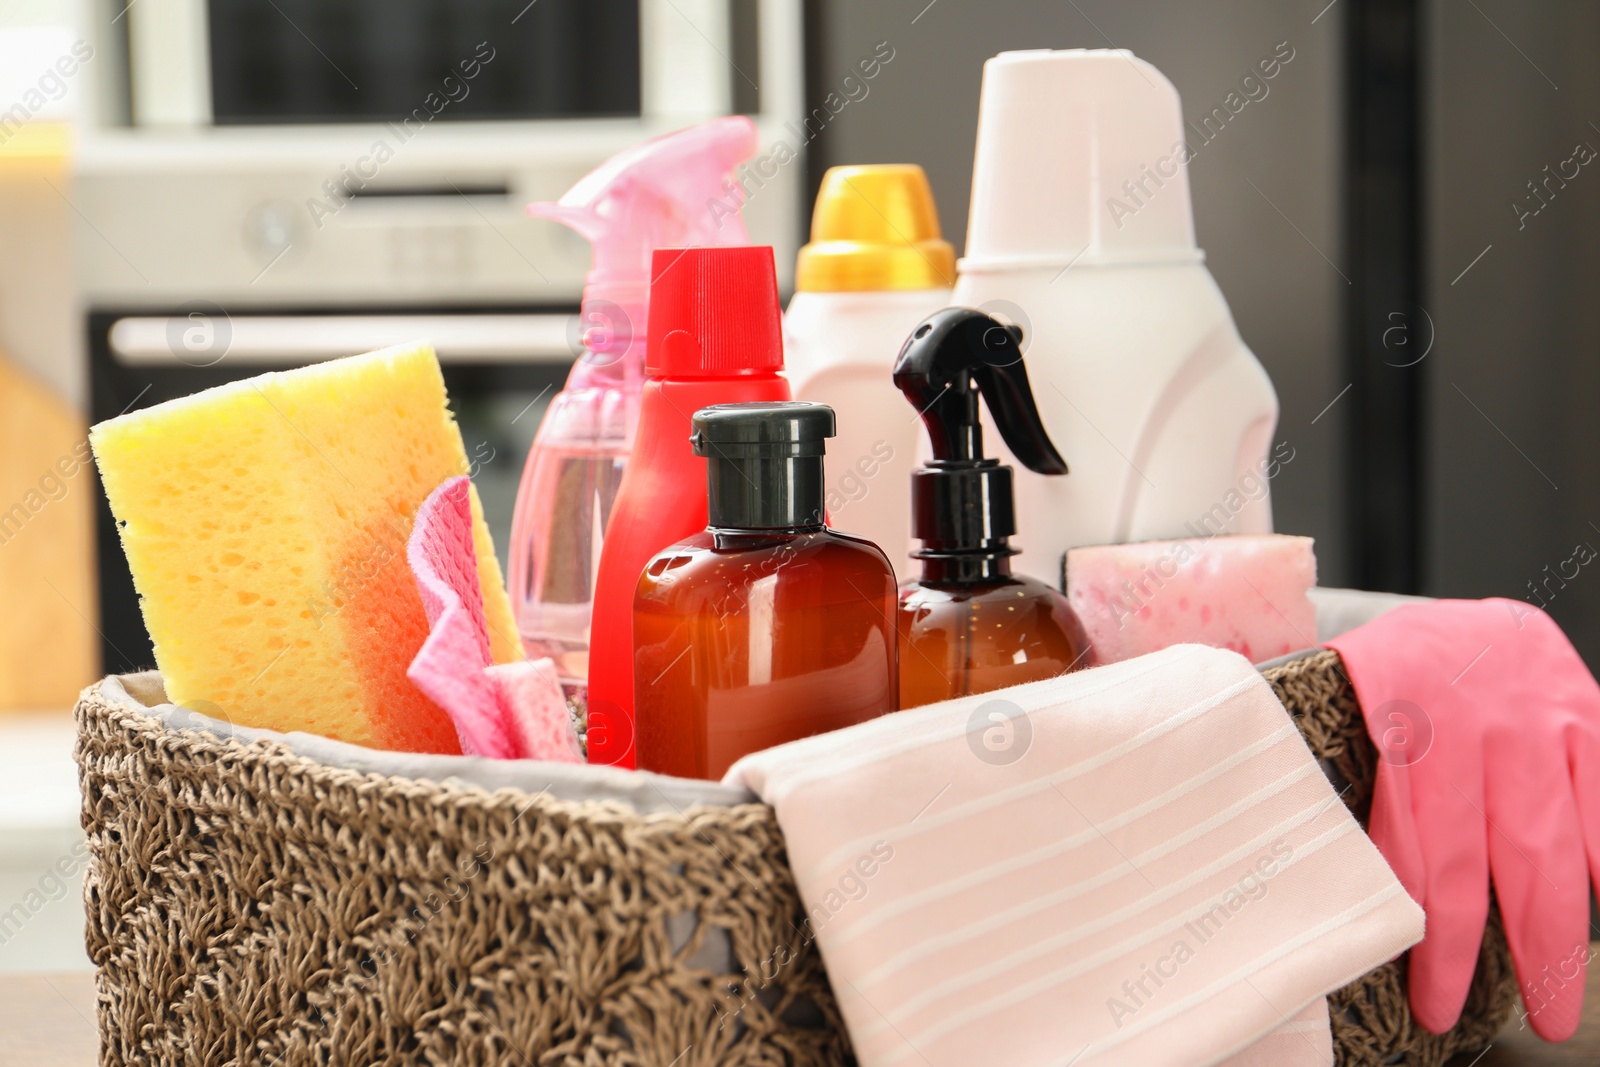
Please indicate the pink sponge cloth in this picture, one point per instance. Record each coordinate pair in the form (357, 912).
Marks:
(1246, 593)
(508, 710)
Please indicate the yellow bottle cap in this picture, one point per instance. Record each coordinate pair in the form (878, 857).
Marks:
(875, 227)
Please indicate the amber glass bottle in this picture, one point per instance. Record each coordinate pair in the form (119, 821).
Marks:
(769, 626)
(959, 638)
(968, 625)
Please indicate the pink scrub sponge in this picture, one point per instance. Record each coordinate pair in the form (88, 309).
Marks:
(1245, 593)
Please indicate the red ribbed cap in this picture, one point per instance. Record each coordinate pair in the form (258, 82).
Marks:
(714, 313)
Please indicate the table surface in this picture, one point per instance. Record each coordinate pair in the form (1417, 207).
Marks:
(49, 1018)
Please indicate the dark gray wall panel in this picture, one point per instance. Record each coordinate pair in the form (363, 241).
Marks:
(1514, 379)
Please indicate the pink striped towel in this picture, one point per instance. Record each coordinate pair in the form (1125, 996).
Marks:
(1136, 864)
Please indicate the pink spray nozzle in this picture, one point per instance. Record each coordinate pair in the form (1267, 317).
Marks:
(673, 191)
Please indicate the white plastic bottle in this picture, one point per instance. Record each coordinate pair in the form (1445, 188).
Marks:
(875, 268)
(1081, 228)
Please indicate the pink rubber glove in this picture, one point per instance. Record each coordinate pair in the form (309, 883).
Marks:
(1488, 728)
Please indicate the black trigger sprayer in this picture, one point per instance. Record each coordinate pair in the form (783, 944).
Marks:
(968, 625)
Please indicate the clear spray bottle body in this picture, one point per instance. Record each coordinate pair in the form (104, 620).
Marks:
(644, 198)
(563, 505)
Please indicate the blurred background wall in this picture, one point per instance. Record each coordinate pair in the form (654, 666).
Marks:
(1513, 458)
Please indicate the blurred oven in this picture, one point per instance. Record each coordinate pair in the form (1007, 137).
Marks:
(314, 178)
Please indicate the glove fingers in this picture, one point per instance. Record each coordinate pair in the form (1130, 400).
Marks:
(1442, 965)
(1457, 872)
(1393, 828)
(1586, 784)
(1540, 878)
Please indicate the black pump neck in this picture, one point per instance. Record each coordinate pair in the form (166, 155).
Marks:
(763, 464)
(962, 503)
(966, 568)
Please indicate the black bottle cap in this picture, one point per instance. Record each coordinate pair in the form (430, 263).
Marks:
(962, 505)
(764, 463)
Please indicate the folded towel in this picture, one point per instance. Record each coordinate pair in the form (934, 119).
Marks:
(1304, 1041)
(1138, 864)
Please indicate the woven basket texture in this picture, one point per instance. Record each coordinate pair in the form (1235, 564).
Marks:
(249, 906)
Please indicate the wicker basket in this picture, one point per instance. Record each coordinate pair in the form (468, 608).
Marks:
(248, 905)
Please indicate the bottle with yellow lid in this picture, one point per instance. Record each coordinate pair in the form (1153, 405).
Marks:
(876, 266)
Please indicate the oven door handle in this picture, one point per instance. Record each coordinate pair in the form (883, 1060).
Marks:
(276, 340)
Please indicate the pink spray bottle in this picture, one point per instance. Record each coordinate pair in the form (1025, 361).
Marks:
(665, 192)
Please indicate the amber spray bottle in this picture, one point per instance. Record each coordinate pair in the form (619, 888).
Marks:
(969, 625)
(768, 627)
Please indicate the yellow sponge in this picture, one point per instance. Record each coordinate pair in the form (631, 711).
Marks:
(265, 522)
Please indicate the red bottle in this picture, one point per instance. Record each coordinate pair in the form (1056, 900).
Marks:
(715, 337)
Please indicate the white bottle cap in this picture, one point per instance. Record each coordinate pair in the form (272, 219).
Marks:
(1081, 159)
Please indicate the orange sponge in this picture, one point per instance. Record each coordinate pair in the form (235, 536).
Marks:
(265, 522)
